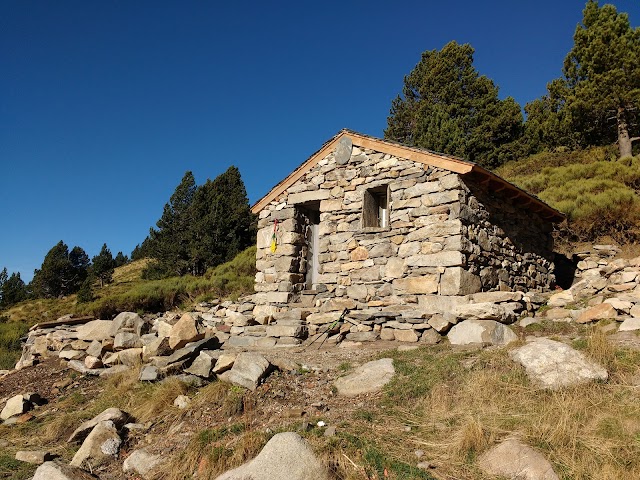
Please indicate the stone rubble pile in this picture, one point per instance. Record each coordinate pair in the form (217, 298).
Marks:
(604, 289)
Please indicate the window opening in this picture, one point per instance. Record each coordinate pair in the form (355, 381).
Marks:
(375, 207)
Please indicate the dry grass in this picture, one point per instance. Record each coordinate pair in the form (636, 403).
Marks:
(587, 432)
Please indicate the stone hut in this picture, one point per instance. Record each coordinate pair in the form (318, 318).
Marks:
(366, 222)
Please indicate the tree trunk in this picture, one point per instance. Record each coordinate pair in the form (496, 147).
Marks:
(624, 140)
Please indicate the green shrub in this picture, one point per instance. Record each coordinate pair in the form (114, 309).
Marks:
(597, 194)
(10, 344)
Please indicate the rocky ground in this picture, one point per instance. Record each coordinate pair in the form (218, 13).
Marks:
(317, 390)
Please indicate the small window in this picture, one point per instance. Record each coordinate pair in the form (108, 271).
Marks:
(375, 207)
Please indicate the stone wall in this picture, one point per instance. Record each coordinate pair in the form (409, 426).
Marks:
(447, 236)
(509, 247)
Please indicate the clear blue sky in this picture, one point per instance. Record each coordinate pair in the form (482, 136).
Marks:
(105, 104)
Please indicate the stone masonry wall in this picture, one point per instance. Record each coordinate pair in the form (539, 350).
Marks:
(447, 237)
(511, 247)
(419, 253)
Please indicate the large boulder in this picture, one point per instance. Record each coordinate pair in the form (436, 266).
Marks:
(485, 332)
(248, 370)
(188, 329)
(101, 446)
(57, 470)
(555, 365)
(516, 461)
(370, 377)
(286, 455)
(95, 330)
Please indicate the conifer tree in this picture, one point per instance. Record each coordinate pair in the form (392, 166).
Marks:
(169, 244)
(56, 276)
(225, 225)
(103, 265)
(120, 260)
(13, 290)
(602, 73)
(447, 106)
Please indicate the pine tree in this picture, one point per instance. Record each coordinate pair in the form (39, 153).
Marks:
(602, 74)
(447, 106)
(169, 244)
(56, 276)
(12, 291)
(120, 260)
(80, 263)
(85, 294)
(224, 224)
(103, 265)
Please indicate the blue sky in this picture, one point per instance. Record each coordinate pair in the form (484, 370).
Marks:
(105, 104)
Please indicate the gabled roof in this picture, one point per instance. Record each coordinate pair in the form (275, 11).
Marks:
(420, 155)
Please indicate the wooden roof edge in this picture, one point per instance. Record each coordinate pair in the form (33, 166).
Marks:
(453, 164)
(546, 210)
(360, 140)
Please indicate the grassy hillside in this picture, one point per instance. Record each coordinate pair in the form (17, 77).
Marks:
(597, 192)
(129, 292)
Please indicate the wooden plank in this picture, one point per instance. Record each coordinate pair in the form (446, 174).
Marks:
(68, 321)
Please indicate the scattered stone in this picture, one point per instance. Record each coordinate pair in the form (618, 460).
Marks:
(16, 405)
(370, 377)
(555, 365)
(203, 364)
(115, 415)
(561, 299)
(149, 373)
(37, 457)
(224, 363)
(286, 455)
(182, 402)
(248, 370)
(632, 323)
(142, 463)
(95, 330)
(599, 312)
(101, 446)
(56, 470)
(515, 460)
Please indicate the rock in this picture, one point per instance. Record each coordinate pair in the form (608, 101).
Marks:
(124, 340)
(483, 311)
(115, 370)
(95, 330)
(370, 377)
(157, 347)
(632, 323)
(203, 364)
(555, 365)
(92, 362)
(79, 366)
(441, 323)
(127, 322)
(247, 371)
(56, 470)
(16, 405)
(71, 354)
(36, 457)
(101, 446)
(481, 332)
(224, 363)
(142, 463)
(599, 312)
(405, 335)
(149, 373)
(525, 322)
(430, 337)
(286, 455)
(130, 357)
(191, 350)
(515, 460)
(182, 402)
(115, 415)
(187, 330)
(561, 299)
